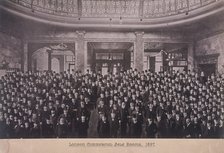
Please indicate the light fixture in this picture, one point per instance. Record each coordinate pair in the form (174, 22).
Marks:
(120, 21)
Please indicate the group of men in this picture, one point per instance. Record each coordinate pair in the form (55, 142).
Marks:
(130, 104)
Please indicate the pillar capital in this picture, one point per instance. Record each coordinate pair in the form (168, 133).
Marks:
(139, 33)
(81, 33)
(49, 51)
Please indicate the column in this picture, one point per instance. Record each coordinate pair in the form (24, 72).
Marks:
(49, 59)
(139, 51)
(85, 56)
(80, 51)
(25, 57)
(190, 56)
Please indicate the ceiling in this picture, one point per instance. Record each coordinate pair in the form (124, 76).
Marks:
(21, 27)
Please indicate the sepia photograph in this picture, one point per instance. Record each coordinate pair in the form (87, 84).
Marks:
(111, 73)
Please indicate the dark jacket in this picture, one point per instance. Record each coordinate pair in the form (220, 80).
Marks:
(103, 129)
(136, 130)
(47, 130)
(151, 130)
(83, 129)
(62, 131)
(189, 130)
(114, 127)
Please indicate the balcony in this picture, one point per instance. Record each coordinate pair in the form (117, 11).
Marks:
(132, 9)
(129, 15)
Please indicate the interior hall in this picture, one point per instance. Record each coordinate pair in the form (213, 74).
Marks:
(111, 68)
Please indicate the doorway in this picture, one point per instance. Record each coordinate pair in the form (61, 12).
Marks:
(55, 65)
(152, 63)
(109, 57)
(110, 62)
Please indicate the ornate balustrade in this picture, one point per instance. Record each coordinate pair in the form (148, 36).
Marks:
(158, 8)
(113, 8)
(110, 8)
(56, 7)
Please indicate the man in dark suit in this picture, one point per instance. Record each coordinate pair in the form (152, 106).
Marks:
(62, 128)
(171, 131)
(203, 128)
(103, 127)
(35, 130)
(196, 128)
(123, 120)
(221, 129)
(27, 130)
(102, 108)
(178, 126)
(210, 131)
(3, 127)
(83, 127)
(135, 128)
(9, 129)
(189, 129)
(162, 127)
(151, 128)
(82, 110)
(114, 125)
(47, 129)
(216, 128)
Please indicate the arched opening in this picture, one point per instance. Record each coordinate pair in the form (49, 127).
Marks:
(55, 63)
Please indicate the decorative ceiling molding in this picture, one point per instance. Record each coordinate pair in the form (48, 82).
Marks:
(114, 23)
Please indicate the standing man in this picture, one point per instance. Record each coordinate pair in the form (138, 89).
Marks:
(103, 127)
(151, 128)
(114, 125)
(188, 130)
(83, 127)
(123, 120)
(136, 128)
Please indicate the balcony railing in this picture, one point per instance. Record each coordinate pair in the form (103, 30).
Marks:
(113, 8)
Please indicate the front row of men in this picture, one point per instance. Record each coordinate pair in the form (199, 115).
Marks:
(114, 124)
